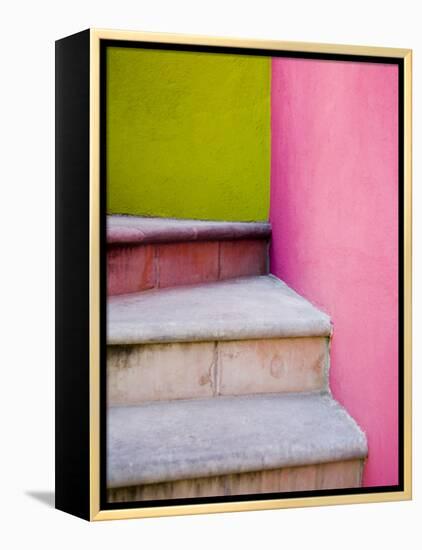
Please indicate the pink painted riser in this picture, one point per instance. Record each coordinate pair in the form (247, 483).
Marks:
(134, 268)
(334, 228)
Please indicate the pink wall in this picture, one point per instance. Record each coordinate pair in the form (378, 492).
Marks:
(334, 218)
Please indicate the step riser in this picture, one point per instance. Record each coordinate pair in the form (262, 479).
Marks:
(161, 372)
(134, 268)
(332, 475)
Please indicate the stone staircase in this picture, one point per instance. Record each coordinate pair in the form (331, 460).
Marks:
(217, 371)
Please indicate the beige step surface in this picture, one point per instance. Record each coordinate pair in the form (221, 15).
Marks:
(184, 370)
(343, 474)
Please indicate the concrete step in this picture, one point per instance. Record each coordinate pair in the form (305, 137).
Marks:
(145, 253)
(243, 336)
(237, 309)
(232, 445)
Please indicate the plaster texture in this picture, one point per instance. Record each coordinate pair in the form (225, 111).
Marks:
(168, 441)
(329, 475)
(335, 235)
(188, 134)
(151, 372)
(237, 309)
(138, 229)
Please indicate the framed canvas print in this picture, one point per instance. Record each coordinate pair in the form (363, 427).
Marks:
(233, 303)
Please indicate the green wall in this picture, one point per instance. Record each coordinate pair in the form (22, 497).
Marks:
(188, 134)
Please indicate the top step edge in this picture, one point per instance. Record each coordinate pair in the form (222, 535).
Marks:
(122, 229)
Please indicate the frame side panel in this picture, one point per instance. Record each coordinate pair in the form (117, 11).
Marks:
(72, 274)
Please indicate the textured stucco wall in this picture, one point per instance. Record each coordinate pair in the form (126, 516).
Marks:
(334, 217)
(188, 134)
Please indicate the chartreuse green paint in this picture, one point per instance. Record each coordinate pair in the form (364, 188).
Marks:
(188, 134)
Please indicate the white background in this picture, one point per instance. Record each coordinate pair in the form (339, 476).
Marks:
(28, 31)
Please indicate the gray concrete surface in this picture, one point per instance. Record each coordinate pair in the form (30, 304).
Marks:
(167, 441)
(134, 229)
(237, 309)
